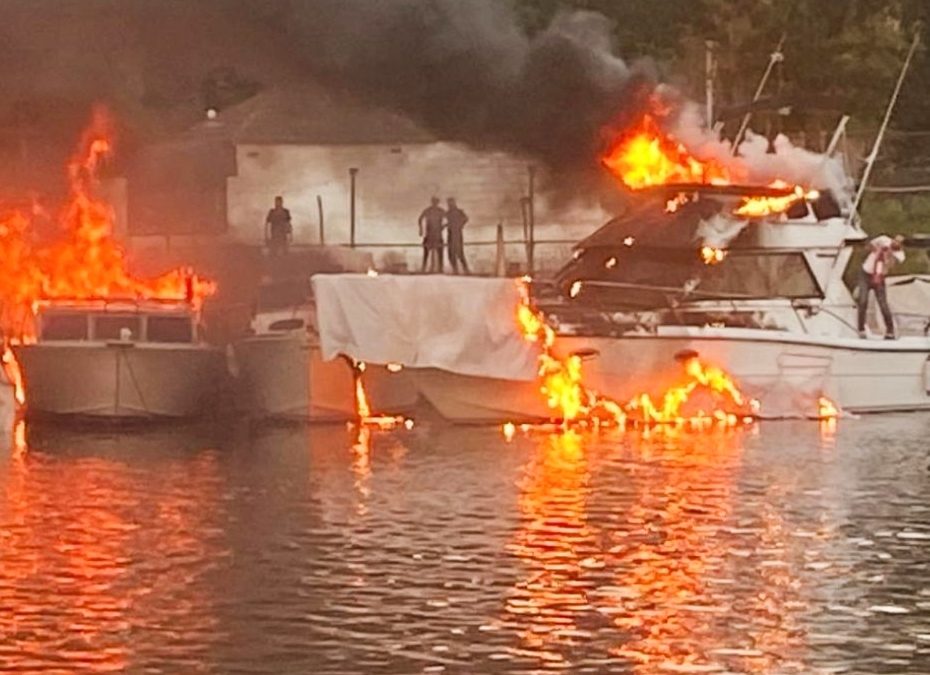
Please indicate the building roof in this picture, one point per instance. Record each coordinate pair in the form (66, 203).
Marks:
(304, 113)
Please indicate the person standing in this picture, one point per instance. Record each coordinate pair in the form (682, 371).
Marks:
(884, 253)
(456, 219)
(430, 224)
(278, 230)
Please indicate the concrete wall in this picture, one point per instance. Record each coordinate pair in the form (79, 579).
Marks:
(394, 184)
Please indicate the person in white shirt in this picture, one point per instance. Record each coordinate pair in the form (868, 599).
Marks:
(884, 253)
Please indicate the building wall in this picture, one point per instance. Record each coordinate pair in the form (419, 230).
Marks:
(394, 184)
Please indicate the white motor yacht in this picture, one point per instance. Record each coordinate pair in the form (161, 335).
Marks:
(770, 306)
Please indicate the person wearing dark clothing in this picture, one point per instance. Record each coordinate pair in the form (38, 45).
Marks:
(456, 219)
(431, 222)
(884, 252)
(278, 228)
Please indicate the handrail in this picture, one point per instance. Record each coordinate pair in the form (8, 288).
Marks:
(693, 292)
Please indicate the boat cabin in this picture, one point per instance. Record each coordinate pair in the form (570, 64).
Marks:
(99, 321)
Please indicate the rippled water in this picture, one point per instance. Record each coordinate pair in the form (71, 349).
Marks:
(787, 548)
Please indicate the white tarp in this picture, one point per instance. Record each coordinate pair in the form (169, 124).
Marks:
(909, 299)
(464, 325)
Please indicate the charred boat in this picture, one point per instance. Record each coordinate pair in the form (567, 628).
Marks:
(119, 360)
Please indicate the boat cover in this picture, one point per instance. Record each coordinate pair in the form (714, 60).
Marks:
(464, 325)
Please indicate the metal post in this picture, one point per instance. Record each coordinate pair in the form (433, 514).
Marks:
(353, 172)
(775, 58)
(319, 209)
(500, 264)
(709, 75)
(531, 244)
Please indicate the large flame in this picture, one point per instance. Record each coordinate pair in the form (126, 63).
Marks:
(646, 155)
(562, 383)
(85, 261)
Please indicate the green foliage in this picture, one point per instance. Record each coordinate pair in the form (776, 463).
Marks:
(899, 215)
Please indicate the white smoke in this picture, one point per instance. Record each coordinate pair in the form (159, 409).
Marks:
(758, 163)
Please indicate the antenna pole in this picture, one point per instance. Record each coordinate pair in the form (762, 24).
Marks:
(710, 67)
(870, 160)
(776, 57)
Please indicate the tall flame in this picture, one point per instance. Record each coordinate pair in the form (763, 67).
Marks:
(646, 155)
(562, 383)
(85, 262)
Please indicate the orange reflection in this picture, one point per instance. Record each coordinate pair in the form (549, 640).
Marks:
(556, 545)
(666, 559)
(670, 570)
(68, 564)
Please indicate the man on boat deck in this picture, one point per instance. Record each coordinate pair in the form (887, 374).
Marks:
(884, 253)
(278, 228)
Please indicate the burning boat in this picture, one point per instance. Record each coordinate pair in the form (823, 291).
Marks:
(282, 374)
(88, 337)
(764, 298)
(112, 359)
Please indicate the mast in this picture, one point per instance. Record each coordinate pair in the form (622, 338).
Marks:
(776, 57)
(870, 161)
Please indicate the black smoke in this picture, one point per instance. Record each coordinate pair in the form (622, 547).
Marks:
(467, 71)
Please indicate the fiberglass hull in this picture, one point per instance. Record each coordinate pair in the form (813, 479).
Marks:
(786, 372)
(119, 380)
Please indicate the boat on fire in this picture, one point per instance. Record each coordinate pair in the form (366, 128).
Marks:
(763, 298)
(119, 360)
(282, 375)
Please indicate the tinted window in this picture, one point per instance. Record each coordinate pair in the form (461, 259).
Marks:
(764, 275)
(109, 327)
(170, 329)
(64, 327)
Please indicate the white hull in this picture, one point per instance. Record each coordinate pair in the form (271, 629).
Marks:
(785, 371)
(284, 377)
(119, 380)
(466, 399)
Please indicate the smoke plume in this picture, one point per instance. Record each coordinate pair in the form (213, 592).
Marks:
(467, 72)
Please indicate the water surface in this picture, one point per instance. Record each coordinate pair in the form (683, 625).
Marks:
(783, 548)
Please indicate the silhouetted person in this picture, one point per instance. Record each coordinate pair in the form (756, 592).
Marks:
(430, 224)
(456, 219)
(884, 252)
(278, 229)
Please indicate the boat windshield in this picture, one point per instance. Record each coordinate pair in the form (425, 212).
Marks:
(64, 326)
(656, 277)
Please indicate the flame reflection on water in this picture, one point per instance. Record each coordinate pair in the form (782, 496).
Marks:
(654, 573)
(756, 549)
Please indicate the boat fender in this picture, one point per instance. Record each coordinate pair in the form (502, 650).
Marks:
(686, 355)
(586, 353)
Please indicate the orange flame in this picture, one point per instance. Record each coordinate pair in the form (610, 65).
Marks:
(366, 418)
(758, 207)
(85, 262)
(711, 255)
(826, 409)
(648, 156)
(562, 383)
(13, 373)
